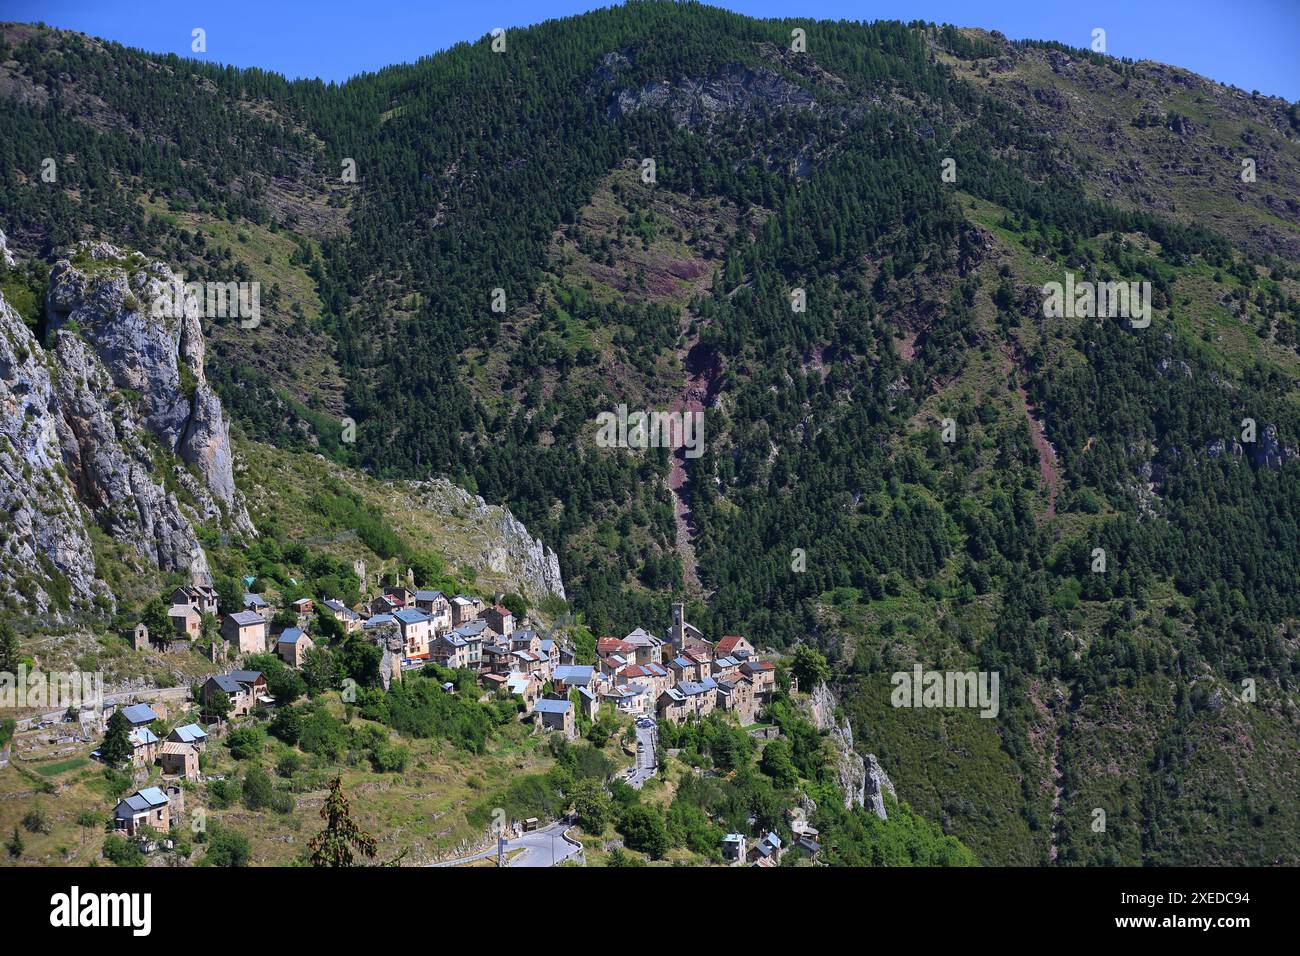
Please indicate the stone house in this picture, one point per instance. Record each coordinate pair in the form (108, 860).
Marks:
(526, 686)
(734, 646)
(499, 619)
(191, 734)
(733, 848)
(180, 760)
(525, 640)
(417, 629)
(450, 650)
(201, 597)
(144, 747)
(186, 621)
(570, 676)
(736, 696)
(137, 637)
(293, 646)
(400, 597)
(688, 698)
(349, 618)
(471, 632)
(632, 699)
(437, 606)
(255, 603)
(243, 689)
(385, 605)
(464, 609)
(555, 715)
(140, 715)
(769, 847)
(763, 674)
(245, 630)
(648, 648)
(149, 807)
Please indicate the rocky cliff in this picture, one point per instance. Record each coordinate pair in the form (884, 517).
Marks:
(112, 421)
(863, 781)
(495, 540)
(45, 557)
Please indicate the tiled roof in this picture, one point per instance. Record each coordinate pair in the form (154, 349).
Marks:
(728, 643)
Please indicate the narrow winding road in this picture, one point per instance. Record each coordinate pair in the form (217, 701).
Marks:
(645, 766)
(546, 846)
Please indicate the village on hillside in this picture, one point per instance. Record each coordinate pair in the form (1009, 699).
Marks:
(646, 680)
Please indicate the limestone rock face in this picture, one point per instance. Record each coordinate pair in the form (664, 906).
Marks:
(88, 428)
(146, 333)
(500, 542)
(696, 102)
(42, 529)
(862, 781)
(6, 257)
(877, 784)
(109, 464)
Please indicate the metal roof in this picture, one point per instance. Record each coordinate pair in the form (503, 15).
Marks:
(547, 706)
(574, 673)
(139, 714)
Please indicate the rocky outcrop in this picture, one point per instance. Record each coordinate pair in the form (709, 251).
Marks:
(496, 541)
(391, 649)
(132, 314)
(6, 257)
(862, 781)
(43, 538)
(114, 423)
(877, 784)
(109, 463)
(695, 102)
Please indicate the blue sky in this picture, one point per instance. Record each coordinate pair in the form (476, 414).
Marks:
(1254, 44)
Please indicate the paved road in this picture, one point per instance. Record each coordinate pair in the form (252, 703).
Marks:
(544, 847)
(644, 769)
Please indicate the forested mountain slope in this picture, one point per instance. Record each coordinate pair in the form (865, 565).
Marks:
(777, 170)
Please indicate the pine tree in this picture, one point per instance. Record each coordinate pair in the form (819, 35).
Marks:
(116, 746)
(333, 845)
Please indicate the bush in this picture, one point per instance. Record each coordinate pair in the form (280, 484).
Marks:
(282, 802)
(34, 821)
(386, 758)
(226, 847)
(246, 742)
(121, 851)
(644, 831)
(288, 765)
(222, 793)
(257, 790)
